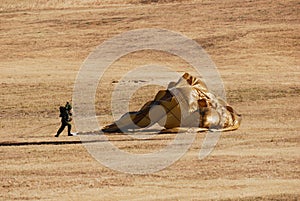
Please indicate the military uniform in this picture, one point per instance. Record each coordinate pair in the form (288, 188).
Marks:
(65, 121)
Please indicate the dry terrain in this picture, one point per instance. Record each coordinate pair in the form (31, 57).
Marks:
(255, 46)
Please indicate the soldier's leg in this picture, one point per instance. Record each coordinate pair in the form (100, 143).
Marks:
(62, 127)
(69, 129)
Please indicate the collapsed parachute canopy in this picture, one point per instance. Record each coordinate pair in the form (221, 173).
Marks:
(185, 104)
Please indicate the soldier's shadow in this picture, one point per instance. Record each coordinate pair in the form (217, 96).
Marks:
(65, 142)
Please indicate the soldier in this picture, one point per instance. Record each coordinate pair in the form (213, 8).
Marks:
(65, 121)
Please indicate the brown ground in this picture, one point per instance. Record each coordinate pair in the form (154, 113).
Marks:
(255, 45)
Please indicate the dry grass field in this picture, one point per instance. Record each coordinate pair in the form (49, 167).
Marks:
(254, 44)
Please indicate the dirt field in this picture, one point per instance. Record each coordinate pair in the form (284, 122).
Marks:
(254, 44)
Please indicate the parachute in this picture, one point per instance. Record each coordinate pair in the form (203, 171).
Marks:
(184, 104)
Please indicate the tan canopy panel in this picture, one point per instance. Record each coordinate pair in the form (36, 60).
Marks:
(185, 104)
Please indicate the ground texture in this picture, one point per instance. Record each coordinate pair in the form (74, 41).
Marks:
(254, 44)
